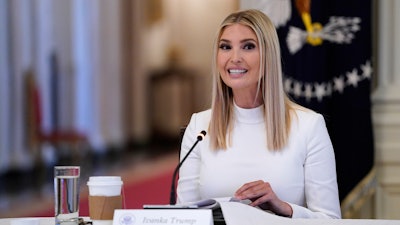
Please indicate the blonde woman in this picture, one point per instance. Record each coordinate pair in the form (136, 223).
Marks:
(260, 146)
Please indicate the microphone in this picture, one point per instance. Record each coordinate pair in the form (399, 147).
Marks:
(172, 198)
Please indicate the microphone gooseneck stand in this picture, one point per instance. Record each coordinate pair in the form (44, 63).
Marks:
(172, 197)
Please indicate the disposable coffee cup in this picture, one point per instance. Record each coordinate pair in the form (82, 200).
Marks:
(105, 196)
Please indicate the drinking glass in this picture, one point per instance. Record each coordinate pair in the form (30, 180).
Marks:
(66, 191)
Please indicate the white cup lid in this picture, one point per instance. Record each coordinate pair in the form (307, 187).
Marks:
(104, 180)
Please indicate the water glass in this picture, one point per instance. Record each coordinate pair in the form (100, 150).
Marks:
(66, 191)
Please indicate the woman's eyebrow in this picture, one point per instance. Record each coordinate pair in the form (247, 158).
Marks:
(224, 40)
(247, 40)
(242, 41)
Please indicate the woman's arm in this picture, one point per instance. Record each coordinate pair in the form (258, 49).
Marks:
(321, 190)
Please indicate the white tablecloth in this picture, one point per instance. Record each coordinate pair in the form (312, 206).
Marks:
(247, 218)
(239, 214)
(42, 220)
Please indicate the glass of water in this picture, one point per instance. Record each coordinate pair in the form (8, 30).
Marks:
(66, 191)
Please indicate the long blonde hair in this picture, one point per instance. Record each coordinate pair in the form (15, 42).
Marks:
(277, 105)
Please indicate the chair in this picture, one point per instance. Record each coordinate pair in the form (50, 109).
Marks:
(36, 137)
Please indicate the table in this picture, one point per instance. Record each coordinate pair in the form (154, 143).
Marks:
(253, 217)
(42, 220)
(239, 214)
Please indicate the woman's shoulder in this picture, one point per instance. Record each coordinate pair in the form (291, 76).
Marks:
(203, 114)
(306, 115)
(199, 121)
(201, 118)
(307, 121)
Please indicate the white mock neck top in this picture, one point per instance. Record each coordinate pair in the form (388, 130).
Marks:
(303, 173)
(254, 115)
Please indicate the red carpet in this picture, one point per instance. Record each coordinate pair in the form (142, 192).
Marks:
(154, 190)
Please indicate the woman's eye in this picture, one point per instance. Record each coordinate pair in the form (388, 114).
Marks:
(224, 46)
(249, 46)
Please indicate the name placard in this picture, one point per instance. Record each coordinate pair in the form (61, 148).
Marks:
(163, 216)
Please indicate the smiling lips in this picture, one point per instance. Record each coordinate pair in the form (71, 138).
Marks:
(237, 71)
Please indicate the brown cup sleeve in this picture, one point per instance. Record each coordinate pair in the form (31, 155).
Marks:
(102, 207)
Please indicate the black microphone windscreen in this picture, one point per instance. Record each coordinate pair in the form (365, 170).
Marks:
(201, 135)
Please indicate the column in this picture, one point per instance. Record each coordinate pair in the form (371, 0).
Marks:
(386, 110)
(20, 15)
(5, 96)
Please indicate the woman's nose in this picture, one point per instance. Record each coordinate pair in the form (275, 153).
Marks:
(236, 56)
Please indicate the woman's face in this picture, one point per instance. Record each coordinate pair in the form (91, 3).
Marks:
(238, 59)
